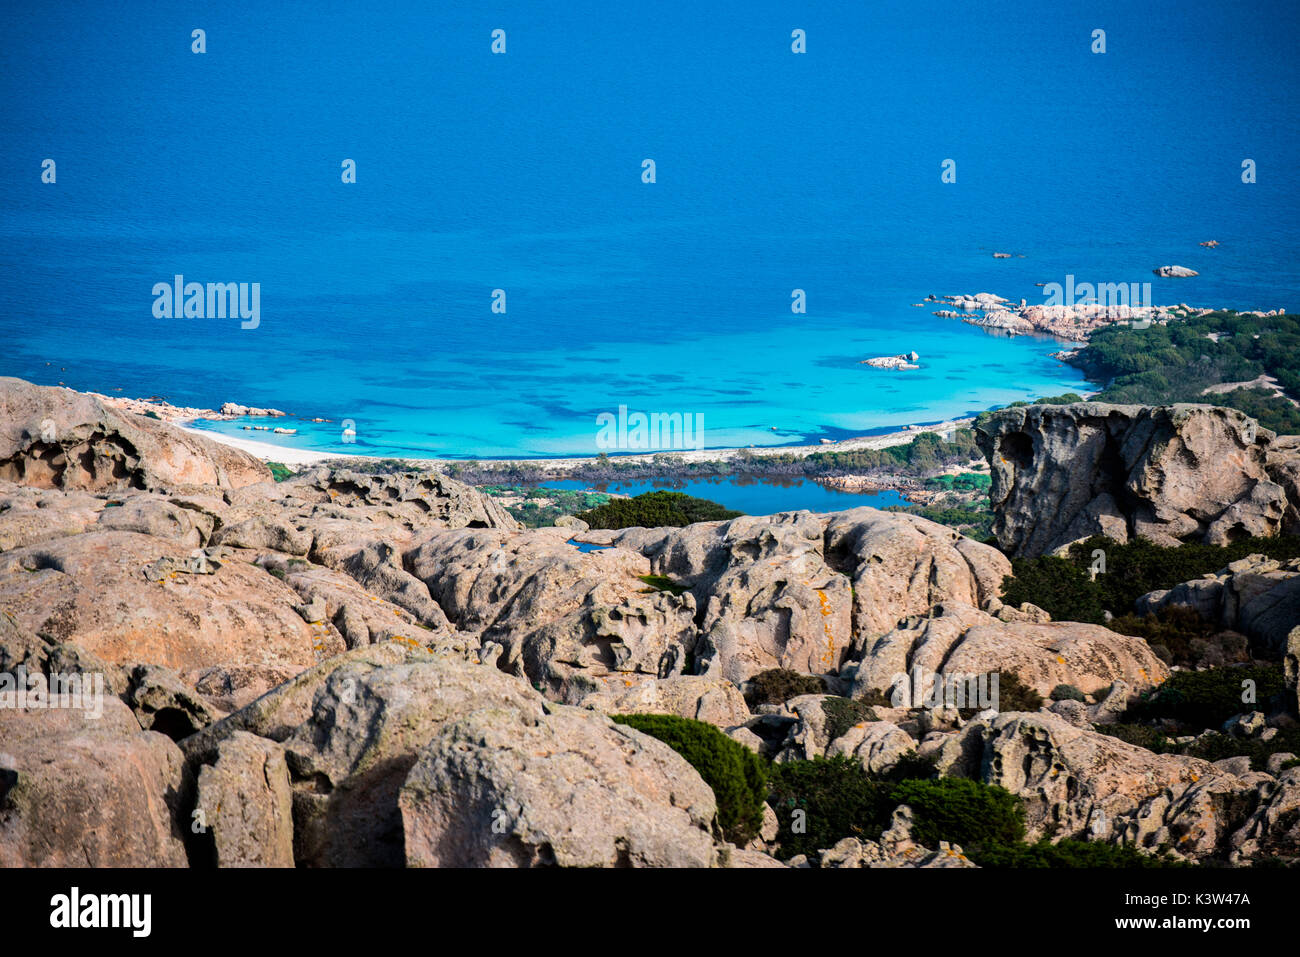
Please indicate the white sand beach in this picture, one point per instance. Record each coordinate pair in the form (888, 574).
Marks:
(297, 458)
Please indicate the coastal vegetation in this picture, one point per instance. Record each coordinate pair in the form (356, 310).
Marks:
(655, 510)
(779, 685)
(1186, 714)
(737, 775)
(534, 507)
(974, 520)
(840, 799)
(1178, 362)
(663, 583)
(923, 457)
(1065, 589)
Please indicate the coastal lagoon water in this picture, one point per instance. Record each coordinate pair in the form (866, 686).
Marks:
(522, 172)
(750, 495)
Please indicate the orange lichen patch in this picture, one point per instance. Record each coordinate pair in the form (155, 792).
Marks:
(829, 657)
(1060, 659)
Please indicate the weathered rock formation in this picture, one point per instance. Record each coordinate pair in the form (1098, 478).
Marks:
(1256, 595)
(1169, 474)
(1078, 783)
(56, 438)
(957, 639)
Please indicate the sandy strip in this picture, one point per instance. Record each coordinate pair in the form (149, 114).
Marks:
(266, 451)
(300, 457)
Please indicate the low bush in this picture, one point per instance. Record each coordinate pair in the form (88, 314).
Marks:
(1206, 699)
(779, 685)
(962, 811)
(1013, 695)
(844, 713)
(1065, 588)
(663, 583)
(1067, 693)
(737, 775)
(655, 510)
(837, 798)
(1188, 638)
(1068, 853)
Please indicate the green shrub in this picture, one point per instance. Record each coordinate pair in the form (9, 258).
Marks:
(1068, 853)
(1015, 695)
(655, 510)
(737, 776)
(1216, 746)
(1142, 735)
(1068, 693)
(844, 713)
(778, 685)
(1213, 746)
(838, 799)
(663, 583)
(1057, 586)
(280, 471)
(876, 698)
(1206, 699)
(1063, 588)
(973, 521)
(1188, 639)
(912, 766)
(961, 811)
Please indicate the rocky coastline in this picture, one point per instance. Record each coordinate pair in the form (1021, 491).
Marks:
(1072, 323)
(343, 669)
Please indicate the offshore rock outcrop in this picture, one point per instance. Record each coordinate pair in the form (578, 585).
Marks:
(1062, 473)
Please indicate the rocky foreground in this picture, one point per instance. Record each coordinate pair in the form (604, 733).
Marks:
(346, 669)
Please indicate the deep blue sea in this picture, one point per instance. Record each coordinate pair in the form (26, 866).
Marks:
(522, 171)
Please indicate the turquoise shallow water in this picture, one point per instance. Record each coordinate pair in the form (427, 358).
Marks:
(522, 172)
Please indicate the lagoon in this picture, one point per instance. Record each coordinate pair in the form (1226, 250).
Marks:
(751, 495)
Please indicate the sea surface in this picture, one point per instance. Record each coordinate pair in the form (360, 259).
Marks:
(774, 172)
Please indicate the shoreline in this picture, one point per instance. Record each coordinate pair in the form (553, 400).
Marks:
(268, 451)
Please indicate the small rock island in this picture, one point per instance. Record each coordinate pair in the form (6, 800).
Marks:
(905, 360)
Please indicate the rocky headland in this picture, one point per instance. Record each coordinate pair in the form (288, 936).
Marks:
(1075, 322)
